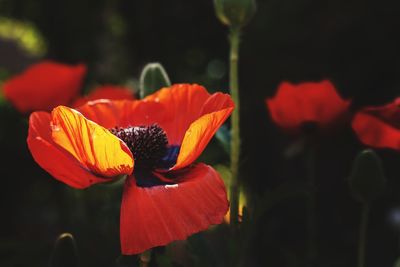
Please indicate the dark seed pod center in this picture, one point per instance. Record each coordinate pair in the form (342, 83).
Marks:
(148, 144)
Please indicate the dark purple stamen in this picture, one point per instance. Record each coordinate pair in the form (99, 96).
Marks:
(148, 144)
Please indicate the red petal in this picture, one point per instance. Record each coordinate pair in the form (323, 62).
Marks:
(158, 215)
(192, 118)
(44, 86)
(124, 113)
(106, 92)
(379, 126)
(294, 105)
(183, 105)
(55, 160)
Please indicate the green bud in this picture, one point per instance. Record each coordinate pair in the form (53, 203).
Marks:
(153, 78)
(235, 13)
(65, 253)
(367, 180)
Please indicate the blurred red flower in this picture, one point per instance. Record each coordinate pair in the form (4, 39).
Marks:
(48, 84)
(379, 126)
(44, 86)
(111, 92)
(155, 142)
(296, 105)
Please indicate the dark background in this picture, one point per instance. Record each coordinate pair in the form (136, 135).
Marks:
(353, 43)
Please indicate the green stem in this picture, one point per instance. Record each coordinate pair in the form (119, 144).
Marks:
(363, 235)
(311, 207)
(234, 39)
(145, 258)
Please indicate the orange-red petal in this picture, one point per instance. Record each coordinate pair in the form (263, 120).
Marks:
(379, 126)
(124, 113)
(55, 160)
(216, 110)
(192, 117)
(92, 145)
(44, 86)
(183, 105)
(296, 104)
(158, 215)
(106, 92)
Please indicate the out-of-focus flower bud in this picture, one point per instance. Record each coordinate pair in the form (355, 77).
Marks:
(367, 180)
(235, 13)
(153, 78)
(65, 253)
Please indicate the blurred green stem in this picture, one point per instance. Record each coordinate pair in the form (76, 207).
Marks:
(234, 39)
(363, 235)
(311, 205)
(145, 258)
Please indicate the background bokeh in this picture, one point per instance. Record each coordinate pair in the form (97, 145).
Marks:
(354, 43)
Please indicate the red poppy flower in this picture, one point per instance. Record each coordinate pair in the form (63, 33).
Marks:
(155, 141)
(379, 126)
(295, 105)
(105, 92)
(44, 86)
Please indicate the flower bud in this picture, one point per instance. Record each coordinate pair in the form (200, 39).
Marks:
(367, 180)
(235, 13)
(65, 252)
(153, 78)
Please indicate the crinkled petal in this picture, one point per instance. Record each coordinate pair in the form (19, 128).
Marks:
(55, 160)
(44, 86)
(110, 92)
(158, 215)
(92, 145)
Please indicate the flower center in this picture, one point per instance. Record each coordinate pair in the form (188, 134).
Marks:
(148, 144)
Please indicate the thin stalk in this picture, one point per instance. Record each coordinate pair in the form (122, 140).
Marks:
(234, 39)
(145, 258)
(363, 235)
(311, 206)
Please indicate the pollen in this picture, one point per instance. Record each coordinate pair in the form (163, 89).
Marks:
(148, 144)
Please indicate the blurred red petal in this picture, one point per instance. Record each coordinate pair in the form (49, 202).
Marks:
(158, 215)
(106, 92)
(296, 104)
(55, 160)
(44, 86)
(379, 126)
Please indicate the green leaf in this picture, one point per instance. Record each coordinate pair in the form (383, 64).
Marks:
(153, 78)
(367, 179)
(65, 253)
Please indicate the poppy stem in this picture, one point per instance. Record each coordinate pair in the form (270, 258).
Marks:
(311, 205)
(363, 235)
(234, 40)
(144, 258)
